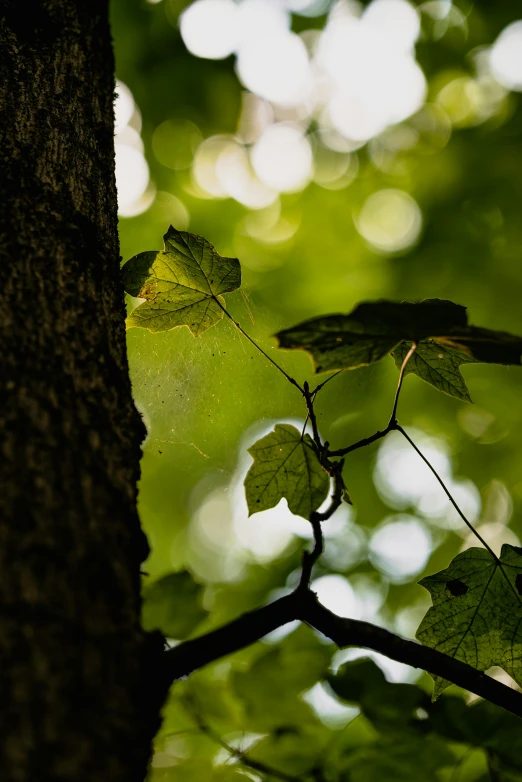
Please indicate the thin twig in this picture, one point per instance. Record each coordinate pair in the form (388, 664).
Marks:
(242, 757)
(362, 443)
(258, 347)
(457, 768)
(322, 385)
(392, 423)
(448, 493)
(309, 397)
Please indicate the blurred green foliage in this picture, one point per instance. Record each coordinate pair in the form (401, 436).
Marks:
(205, 400)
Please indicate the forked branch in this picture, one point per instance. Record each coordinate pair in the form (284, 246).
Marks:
(303, 605)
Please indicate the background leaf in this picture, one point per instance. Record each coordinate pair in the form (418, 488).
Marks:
(173, 605)
(384, 703)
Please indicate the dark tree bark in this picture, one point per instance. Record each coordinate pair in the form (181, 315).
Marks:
(75, 703)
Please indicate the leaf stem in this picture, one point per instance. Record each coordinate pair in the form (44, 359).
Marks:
(258, 347)
(392, 423)
(322, 385)
(409, 354)
(448, 493)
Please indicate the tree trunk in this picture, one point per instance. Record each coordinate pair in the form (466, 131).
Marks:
(74, 700)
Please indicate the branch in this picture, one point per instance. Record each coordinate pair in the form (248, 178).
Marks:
(352, 632)
(361, 443)
(311, 557)
(191, 655)
(302, 604)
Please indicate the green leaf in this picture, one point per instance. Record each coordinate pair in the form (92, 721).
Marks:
(294, 751)
(183, 285)
(384, 703)
(373, 329)
(192, 769)
(477, 611)
(437, 364)
(479, 724)
(270, 688)
(370, 331)
(173, 605)
(400, 760)
(285, 465)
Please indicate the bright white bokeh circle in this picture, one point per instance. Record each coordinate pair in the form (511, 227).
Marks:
(337, 594)
(132, 175)
(276, 68)
(506, 57)
(400, 547)
(123, 106)
(397, 19)
(210, 28)
(282, 158)
(261, 19)
(401, 477)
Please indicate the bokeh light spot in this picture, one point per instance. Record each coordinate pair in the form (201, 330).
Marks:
(282, 158)
(506, 57)
(132, 179)
(174, 143)
(337, 594)
(276, 68)
(204, 167)
(397, 19)
(236, 177)
(390, 221)
(400, 475)
(328, 708)
(123, 107)
(400, 547)
(210, 28)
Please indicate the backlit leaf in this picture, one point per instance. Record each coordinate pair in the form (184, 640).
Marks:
(437, 364)
(477, 611)
(438, 327)
(183, 285)
(370, 331)
(285, 465)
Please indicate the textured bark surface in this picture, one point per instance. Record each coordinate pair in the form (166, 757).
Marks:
(75, 704)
